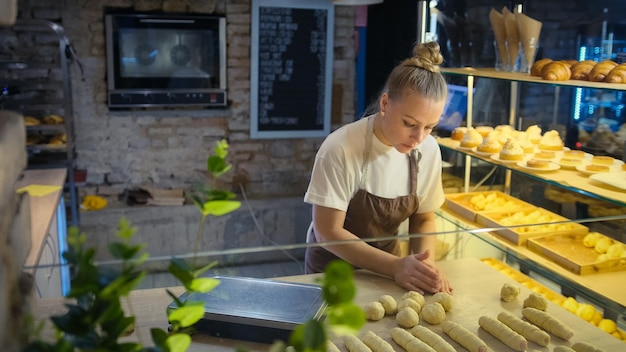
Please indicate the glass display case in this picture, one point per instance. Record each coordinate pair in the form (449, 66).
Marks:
(597, 202)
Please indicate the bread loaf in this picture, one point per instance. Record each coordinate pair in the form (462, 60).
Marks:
(580, 71)
(556, 71)
(617, 74)
(600, 70)
(535, 69)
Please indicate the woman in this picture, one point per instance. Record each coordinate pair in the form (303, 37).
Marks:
(371, 175)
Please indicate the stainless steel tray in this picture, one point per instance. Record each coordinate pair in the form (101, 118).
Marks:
(275, 308)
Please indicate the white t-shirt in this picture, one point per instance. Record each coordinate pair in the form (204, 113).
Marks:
(337, 171)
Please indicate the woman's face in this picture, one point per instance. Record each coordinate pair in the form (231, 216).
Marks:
(407, 121)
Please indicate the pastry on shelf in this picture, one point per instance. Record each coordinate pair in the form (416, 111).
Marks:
(522, 138)
(53, 119)
(31, 121)
(533, 133)
(574, 154)
(484, 130)
(569, 63)
(617, 74)
(490, 144)
(556, 71)
(58, 139)
(546, 155)
(535, 69)
(600, 70)
(458, 133)
(511, 150)
(538, 164)
(551, 140)
(471, 138)
(580, 71)
(597, 168)
(602, 160)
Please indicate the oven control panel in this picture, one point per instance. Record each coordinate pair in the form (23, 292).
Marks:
(121, 99)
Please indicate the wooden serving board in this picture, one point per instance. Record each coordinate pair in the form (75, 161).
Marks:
(520, 234)
(461, 203)
(568, 251)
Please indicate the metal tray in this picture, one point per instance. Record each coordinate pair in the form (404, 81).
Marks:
(257, 309)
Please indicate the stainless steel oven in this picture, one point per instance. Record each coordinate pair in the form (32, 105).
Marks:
(165, 60)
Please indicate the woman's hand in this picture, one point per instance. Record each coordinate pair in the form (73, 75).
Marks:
(416, 273)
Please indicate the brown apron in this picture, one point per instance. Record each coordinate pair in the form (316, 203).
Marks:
(370, 216)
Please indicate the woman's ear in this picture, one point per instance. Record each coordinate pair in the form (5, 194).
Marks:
(384, 100)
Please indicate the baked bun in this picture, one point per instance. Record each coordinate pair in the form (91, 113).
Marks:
(580, 71)
(471, 138)
(545, 155)
(538, 164)
(31, 121)
(574, 154)
(535, 69)
(571, 161)
(458, 133)
(490, 144)
(511, 150)
(569, 63)
(597, 168)
(53, 120)
(617, 74)
(556, 71)
(484, 130)
(600, 70)
(602, 160)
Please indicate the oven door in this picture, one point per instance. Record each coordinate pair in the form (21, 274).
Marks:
(166, 54)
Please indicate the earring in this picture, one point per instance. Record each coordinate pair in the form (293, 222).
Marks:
(382, 114)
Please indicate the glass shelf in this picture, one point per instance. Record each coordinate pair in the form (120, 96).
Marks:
(571, 180)
(522, 77)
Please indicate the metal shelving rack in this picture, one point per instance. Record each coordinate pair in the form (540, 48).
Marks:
(35, 81)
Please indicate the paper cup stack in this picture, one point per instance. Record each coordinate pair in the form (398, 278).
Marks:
(517, 39)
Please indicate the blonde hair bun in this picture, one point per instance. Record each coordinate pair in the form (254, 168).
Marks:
(427, 56)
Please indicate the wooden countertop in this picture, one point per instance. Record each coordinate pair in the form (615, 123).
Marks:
(477, 292)
(42, 208)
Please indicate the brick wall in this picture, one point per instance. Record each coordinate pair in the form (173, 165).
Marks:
(122, 149)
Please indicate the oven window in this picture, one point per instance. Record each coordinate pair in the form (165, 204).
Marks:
(147, 53)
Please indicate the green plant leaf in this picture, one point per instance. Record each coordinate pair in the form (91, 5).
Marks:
(158, 336)
(187, 315)
(215, 164)
(221, 148)
(203, 284)
(345, 318)
(181, 271)
(124, 230)
(338, 284)
(310, 336)
(220, 207)
(178, 342)
(122, 285)
(197, 272)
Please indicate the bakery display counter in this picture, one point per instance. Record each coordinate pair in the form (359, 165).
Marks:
(599, 287)
(477, 287)
(571, 179)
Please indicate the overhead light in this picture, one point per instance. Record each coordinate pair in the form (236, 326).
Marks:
(356, 2)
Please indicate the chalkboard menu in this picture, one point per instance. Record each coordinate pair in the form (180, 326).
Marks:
(291, 68)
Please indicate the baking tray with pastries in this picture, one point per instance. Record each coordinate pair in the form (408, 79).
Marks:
(528, 223)
(581, 254)
(469, 205)
(588, 70)
(45, 141)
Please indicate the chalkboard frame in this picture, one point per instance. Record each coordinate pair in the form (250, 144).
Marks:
(255, 133)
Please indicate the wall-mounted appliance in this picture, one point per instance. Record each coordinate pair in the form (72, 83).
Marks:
(161, 60)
